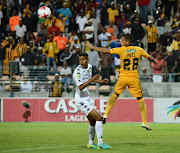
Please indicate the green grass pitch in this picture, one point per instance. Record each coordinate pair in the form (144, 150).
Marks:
(73, 137)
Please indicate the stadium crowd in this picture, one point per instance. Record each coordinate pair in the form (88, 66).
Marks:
(40, 44)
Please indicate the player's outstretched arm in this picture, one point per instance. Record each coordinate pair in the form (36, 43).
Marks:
(151, 59)
(99, 49)
(84, 85)
(102, 81)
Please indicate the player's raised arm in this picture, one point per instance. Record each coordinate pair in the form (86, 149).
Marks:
(99, 49)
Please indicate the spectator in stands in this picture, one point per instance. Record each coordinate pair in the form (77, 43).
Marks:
(73, 35)
(51, 50)
(40, 54)
(74, 60)
(56, 87)
(80, 6)
(158, 69)
(135, 16)
(61, 41)
(28, 21)
(158, 51)
(2, 53)
(20, 30)
(66, 55)
(171, 4)
(27, 60)
(103, 38)
(95, 21)
(15, 86)
(128, 28)
(112, 12)
(143, 8)
(175, 42)
(42, 68)
(99, 11)
(105, 7)
(176, 53)
(73, 25)
(48, 22)
(27, 10)
(66, 12)
(128, 8)
(152, 36)
(92, 4)
(84, 41)
(20, 48)
(137, 33)
(10, 54)
(106, 60)
(165, 38)
(121, 22)
(41, 35)
(93, 57)
(66, 74)
(161, 21)
(14, 20)
(81, 21)
(89, 32)
(153, 8)
(177, 68)
(26, 86)
(34, 69)
(31, 38)
(33, 48)
(60, 22)
(75, 46)
(54, 28)
(112, 29)
(170, 65)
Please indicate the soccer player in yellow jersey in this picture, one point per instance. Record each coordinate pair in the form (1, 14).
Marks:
(129, 76)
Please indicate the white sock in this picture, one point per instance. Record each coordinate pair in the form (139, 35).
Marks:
(91, 132)
(99, 131)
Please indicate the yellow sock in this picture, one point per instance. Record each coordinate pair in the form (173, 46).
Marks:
(142, 108)
(110, 104)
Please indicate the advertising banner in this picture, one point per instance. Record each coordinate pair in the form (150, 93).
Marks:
(65, 110)
(167, 110)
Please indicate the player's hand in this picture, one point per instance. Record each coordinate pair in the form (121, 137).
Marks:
(105, 81)
(104, 119)
(155, 62)
(96, 77)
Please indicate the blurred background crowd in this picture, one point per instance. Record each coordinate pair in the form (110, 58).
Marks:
(47, 49)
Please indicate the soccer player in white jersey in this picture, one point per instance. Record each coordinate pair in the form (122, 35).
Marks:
(83, 77)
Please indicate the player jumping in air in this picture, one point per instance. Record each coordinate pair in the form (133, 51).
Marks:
(129, 76)
(83, 77)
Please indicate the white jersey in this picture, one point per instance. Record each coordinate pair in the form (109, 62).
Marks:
(81, 76)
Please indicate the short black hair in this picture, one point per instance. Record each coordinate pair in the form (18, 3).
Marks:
(128, 37)
(83, 54)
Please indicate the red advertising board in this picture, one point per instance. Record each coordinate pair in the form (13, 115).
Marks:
(65, 110)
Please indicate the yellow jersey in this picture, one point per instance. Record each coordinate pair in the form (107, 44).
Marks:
(129, 59)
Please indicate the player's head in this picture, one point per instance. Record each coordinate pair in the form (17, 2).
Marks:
(126, 40)
(83, 60)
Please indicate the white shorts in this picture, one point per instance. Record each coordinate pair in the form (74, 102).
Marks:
(85, 106)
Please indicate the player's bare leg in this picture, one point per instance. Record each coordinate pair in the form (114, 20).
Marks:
(110, 104)
(142, 108)
(99, 130)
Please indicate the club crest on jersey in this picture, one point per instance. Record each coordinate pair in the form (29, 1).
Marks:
(79, 76)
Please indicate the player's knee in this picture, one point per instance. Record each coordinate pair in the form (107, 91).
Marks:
(140, 99)
(116, 94)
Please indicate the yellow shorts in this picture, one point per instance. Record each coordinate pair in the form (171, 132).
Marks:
(132, 83)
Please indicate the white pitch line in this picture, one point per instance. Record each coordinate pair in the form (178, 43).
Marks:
(30, 149)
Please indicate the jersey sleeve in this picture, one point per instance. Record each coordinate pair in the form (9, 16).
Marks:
(144, 54)
(78, 77)
(116, 51)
